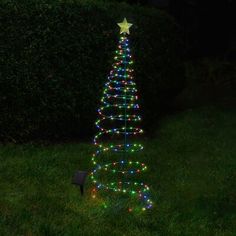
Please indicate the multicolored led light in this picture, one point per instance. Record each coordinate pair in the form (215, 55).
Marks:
(120, 97)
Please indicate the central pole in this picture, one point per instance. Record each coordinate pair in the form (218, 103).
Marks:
(125, 102)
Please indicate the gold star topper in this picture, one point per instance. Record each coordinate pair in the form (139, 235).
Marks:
(124, 26)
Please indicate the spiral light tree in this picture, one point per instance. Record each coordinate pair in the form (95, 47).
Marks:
(118, 117)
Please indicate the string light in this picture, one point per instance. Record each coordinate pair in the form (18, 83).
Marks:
(120, 94)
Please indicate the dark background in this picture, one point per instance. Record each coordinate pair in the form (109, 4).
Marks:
(208, 25)
(55, 59)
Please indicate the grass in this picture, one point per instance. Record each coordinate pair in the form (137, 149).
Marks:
(192, 175)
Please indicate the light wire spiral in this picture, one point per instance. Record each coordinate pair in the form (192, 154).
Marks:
(120, 97)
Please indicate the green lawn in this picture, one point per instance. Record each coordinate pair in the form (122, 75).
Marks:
(192, 175)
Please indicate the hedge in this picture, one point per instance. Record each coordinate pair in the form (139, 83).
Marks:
(55, 58)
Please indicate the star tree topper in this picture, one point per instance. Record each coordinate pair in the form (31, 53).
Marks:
(124, 26)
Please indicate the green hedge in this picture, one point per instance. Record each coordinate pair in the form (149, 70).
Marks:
(55, 58)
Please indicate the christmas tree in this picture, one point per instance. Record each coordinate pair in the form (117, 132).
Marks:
(117, 124)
